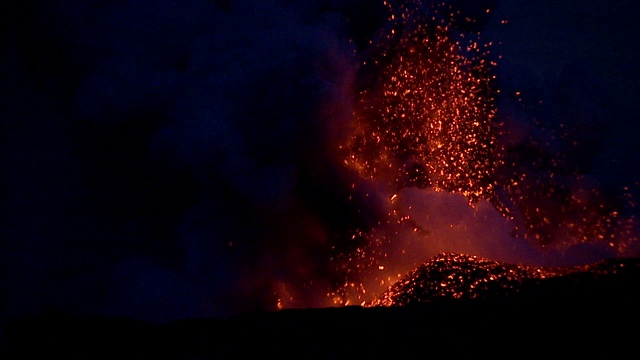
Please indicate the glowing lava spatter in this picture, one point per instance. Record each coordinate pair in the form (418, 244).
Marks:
(425, 129)
(426, 121)
(462, 277)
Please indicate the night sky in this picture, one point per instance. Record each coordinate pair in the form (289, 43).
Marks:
(171, 159)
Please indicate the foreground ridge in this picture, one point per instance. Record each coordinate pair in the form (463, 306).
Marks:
(454, 305)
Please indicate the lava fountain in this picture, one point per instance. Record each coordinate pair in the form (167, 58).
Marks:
(426, 121)
(427, 142)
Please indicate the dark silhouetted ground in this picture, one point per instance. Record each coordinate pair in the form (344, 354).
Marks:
(590, 312)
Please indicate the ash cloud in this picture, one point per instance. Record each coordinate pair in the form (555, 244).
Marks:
(172, 159)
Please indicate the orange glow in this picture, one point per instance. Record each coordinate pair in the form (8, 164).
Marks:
(425, 126)
(460, 276)
(427, 120)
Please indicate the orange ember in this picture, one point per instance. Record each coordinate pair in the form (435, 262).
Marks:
(426, 121)
(424, 138)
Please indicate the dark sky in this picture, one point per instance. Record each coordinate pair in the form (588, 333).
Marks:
(172, 159)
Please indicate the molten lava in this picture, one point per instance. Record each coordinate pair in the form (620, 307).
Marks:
(449, 276)
(426, 120)
(426, 140)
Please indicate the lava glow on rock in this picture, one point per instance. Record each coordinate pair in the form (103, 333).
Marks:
(458, 276)
(450, 276)
(425, 138)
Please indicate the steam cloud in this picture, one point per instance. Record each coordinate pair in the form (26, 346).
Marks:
(173, 159)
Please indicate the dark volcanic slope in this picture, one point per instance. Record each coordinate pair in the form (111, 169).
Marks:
(450, 276)
(452, 306)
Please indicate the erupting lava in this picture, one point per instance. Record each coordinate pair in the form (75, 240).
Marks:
(425, 131)
(427, 120)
